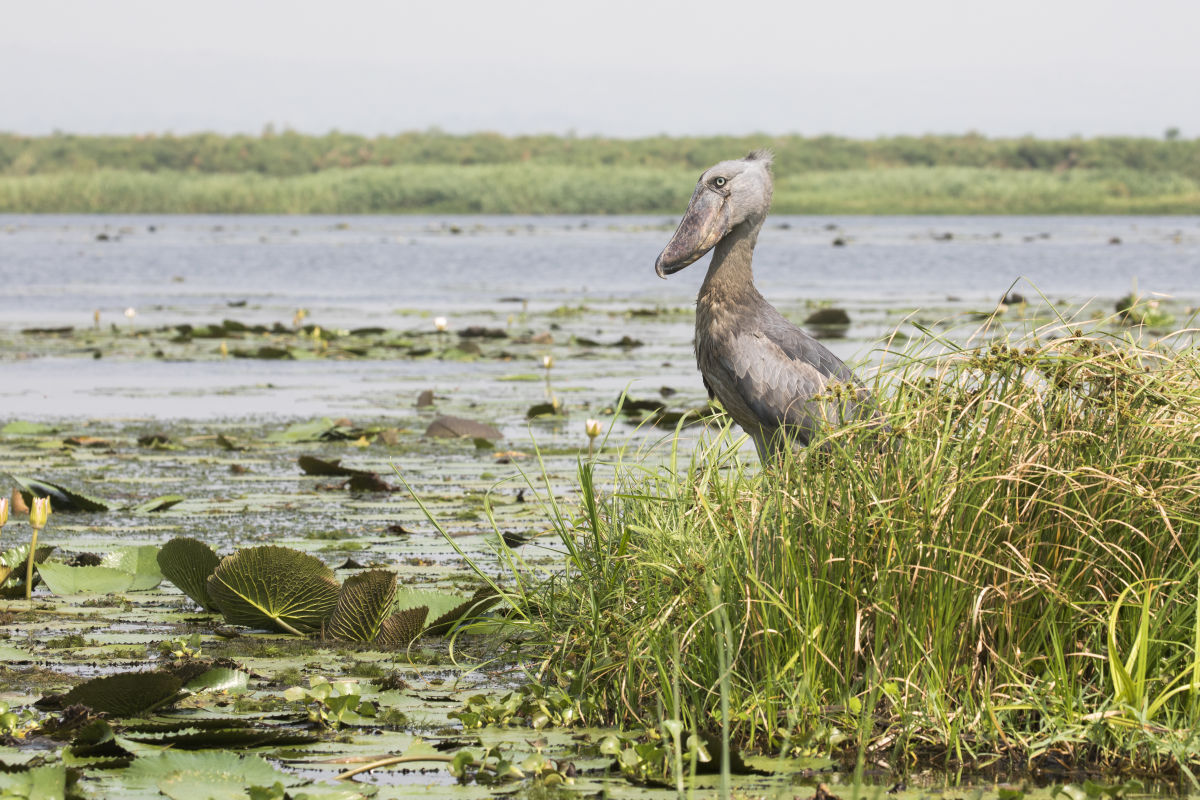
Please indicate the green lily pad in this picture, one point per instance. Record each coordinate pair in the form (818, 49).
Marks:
(126, 694)
(12, 568)
(403, 626)
(157, 504)
(61, 498)
(188, 563)
(46, 782)
(319, 430)
(205, 775)
(274, 588)
(63, 579)
(218, 679)
(128, 569)
(445, 608)
(141, 561)
(363, 605)
(22, 428)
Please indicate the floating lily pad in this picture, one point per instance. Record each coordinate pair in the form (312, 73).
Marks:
(23, 428)
(448, 427)
(363, 605)
(319, 466)
(188, 563)
(12, 568)
(126, 694)
(61, 498)
(206, 775)
(128, 569)
(318, 430)
(445, 608)
(63, 579)
(218, 679)
(157, 504)
(275, 588)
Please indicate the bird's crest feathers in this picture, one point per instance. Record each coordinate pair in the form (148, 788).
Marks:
(763, 154)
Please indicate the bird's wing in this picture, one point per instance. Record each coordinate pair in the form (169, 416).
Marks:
(778, 369)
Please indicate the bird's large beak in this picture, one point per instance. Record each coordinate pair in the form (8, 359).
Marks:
(706, 221)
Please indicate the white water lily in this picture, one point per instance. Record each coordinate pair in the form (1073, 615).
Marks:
(440, 324)
(592, 426)
(3, 512)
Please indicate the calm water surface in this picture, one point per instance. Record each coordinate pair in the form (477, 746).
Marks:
(397, 271)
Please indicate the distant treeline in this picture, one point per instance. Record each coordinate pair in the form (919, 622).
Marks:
(289, 153)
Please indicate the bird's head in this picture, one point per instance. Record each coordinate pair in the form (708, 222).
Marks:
(727, 195)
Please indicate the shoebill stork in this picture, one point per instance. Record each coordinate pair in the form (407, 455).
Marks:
(774, 379)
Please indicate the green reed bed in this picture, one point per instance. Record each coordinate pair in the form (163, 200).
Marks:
(1009, 575)
(541, 188)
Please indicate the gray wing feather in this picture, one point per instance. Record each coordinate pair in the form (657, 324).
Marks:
(778, 369)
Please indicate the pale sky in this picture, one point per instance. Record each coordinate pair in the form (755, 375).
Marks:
(612, 67)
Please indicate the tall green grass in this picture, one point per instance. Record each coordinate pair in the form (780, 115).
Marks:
(1012, 574)
(566, 189)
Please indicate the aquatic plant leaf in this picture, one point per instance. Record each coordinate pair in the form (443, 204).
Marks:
(140, 561)
(477, 603)
(218, 679)
(319, 466)
(125, 694)
(363, 605)
(188, 563)
(206, 775)
(448, 427)
(157, 504)
(62, 498)
(226, 734)
(12, 572)
(63, 579)
(445, 608)
(276, 588)
(22, 428)
(402, 627)
(38, 783)
(318, 430)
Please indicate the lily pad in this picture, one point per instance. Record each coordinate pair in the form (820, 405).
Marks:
(449, 427)
(23, 428)
(319, 430)
(218, 679)
(157, 504)
(61, 498)
(274, 588)
(445, 608)
(141, 561)
(126, 694)
(188, 563)
(12, 568)
(206, 775)
(128, 569)
(363, 605)
(319, 466)
(63, 579)
(403, 626)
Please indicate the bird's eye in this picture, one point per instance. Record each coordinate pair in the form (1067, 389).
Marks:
(718, 182)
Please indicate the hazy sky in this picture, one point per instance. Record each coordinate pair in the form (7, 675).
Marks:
(616, 67)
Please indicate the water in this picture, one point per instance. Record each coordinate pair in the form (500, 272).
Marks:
(398, 272)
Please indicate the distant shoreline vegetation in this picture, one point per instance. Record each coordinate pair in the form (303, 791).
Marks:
(432, 172)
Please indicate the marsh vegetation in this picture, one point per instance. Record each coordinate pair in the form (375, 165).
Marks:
(290, 173)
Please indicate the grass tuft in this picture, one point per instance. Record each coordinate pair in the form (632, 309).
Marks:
(1012, 576)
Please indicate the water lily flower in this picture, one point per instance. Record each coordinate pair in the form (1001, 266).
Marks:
(592, 428)
(39, 512)
(547, 362)
(440, 324)
(130, 313)
(3, 512)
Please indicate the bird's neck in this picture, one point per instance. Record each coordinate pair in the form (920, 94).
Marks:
(729, 275)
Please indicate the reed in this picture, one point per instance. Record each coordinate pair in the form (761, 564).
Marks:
(1011, 574)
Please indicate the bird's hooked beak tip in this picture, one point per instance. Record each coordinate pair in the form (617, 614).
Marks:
(702, 226)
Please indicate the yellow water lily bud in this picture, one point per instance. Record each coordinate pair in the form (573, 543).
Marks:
(592, 426)
(39, 512)
(547, 362)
